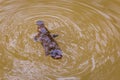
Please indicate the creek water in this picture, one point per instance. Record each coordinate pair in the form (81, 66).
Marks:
(89, 36)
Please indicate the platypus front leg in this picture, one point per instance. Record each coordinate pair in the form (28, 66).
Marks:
(54, 35)
(36, 38)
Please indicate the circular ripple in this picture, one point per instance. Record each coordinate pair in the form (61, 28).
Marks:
(85, 33)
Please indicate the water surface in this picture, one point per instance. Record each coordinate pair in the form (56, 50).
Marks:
(89, 35)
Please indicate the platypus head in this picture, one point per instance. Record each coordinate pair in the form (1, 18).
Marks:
(41, 27)
(56, 54)
(39, 23)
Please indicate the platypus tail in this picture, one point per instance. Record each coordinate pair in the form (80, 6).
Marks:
(39, 23)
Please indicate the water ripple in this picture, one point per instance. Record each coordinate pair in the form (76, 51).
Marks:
(86, 33)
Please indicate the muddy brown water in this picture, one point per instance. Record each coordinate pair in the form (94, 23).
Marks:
(89, 36)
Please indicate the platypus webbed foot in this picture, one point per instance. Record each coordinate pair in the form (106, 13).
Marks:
(54, 35)
(35, 39)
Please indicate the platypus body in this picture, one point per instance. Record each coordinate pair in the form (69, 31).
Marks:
(47, 40)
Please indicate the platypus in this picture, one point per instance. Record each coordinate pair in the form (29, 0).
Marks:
(47, 40)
